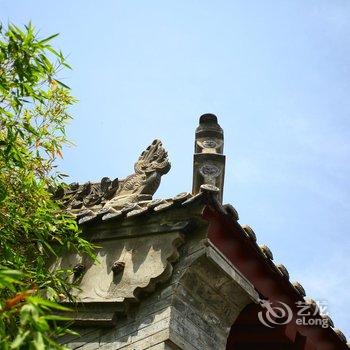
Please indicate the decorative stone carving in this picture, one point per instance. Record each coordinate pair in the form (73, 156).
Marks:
(127, 267)
(108, 196)
(193, 310)
(145, 260)
(77, 197)
(118, 266)
(151, 165)
(209, 172)
(209, 162)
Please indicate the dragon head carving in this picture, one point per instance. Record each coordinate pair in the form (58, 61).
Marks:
(140, 186)
(153, 159)
(149, 168)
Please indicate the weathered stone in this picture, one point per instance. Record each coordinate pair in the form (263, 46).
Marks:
(108, 197)
(160, 283)
(209, 162)
(193, 310)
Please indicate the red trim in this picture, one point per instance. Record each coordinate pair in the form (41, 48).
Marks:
(229, 237)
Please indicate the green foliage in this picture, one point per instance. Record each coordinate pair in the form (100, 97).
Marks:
(33, 227)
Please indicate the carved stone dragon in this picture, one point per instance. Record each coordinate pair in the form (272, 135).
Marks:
(114, 195)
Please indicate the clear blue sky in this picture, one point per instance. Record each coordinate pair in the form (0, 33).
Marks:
(276, 73)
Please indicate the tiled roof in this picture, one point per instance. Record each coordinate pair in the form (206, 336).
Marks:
(91, 210)
(120, 200)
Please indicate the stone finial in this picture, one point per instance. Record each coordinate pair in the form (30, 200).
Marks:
(209, 162)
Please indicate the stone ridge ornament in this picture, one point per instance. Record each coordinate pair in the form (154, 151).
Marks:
(208, 160)
(149, 168)
(77, 197)
(110, 195)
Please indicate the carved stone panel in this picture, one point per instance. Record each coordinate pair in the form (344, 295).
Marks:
(124, 268)
(127, 266)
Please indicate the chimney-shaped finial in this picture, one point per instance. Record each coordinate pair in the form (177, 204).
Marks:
(209, 162)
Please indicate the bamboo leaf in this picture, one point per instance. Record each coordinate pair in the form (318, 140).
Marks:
(49, 38)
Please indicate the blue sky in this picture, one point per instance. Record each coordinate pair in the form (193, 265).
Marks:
(276, 73)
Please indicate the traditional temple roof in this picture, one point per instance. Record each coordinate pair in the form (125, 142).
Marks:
(126, 200)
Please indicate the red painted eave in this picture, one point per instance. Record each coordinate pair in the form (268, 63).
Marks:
(230, 238)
